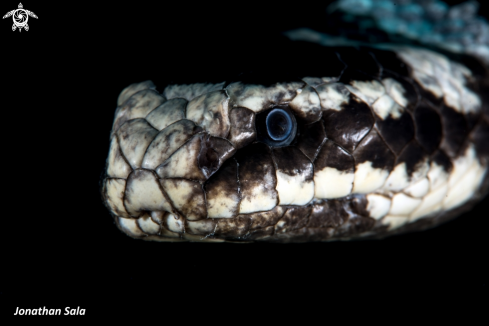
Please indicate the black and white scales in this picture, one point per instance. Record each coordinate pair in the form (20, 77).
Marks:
(318, 143)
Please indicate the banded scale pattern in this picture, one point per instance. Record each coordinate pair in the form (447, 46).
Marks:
(389, 139)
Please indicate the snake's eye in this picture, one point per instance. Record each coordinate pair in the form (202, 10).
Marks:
(276, 127)
(279, 124)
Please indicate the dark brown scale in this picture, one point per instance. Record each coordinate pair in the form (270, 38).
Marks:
(233, 228)
(373, 149)
(255, 163)
(355, 226)
(348, 126)
(214, 152)
(262, 220)
(356, 205)
(293, 162)
(305, 234)
(328, 214)
(310, 139)
(333, 156)
(259, 234)
(428, 126)
(262, 224)
(413, 155)
(396, 132)
(293, 219)
(455, 130)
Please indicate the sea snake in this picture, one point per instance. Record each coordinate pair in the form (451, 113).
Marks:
(345, 142)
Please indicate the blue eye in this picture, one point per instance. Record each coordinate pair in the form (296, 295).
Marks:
(279, 124)
(276, 127)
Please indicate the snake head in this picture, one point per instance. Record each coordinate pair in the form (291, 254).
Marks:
(202, 152)
(349, 151)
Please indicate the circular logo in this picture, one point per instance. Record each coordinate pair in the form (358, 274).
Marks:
(20, 17)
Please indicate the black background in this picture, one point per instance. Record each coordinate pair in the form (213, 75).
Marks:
(60, 247)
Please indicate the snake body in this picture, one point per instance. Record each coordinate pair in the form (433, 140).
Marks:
(389, 139)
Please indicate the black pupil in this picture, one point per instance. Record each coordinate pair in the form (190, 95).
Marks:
(279, 124)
